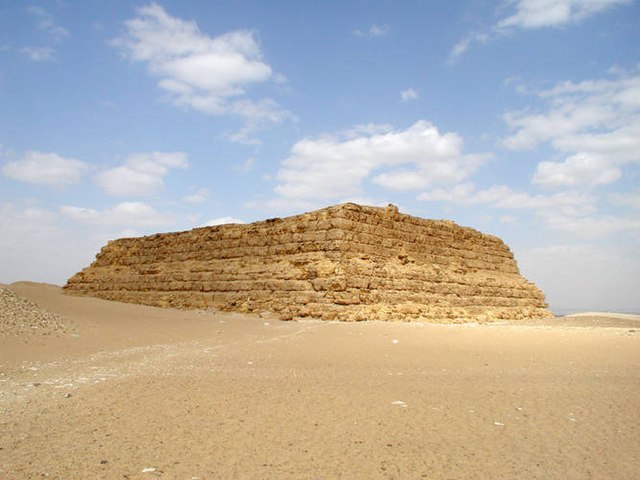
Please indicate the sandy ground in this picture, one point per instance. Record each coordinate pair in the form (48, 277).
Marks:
(134, 392)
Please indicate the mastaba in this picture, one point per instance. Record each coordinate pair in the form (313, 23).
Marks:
(346, 262)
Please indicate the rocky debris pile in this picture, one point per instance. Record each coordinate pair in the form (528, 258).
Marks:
(346, 262)
(19, 316)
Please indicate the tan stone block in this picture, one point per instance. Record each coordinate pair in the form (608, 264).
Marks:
(346, 262)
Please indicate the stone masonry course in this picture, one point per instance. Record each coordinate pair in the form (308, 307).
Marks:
(347, 262)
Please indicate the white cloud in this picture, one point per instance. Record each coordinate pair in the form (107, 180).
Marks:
(408, 95)
(46, 23)
(45, 169)
(222, 221)
(256, 114)
(572, 212)
(626, 199)
(247, 166)
(502, 196)
(142, 173)
(401, 180)
(463, 45)
(39, 54)
(596, 123)
(590, 226)
(463, 193)
(373, 31)
(208, 74)
(578, 169)
(125, 214)
(460, 48)
(332, 167)
(198, 196)
(532, 14)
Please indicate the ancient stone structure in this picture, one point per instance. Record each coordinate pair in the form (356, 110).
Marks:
(347, 262)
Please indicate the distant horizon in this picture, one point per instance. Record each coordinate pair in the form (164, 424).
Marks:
(558, 311)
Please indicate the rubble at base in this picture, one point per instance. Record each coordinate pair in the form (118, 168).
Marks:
(20, 316)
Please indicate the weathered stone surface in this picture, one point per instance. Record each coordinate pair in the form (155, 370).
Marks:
(347, 262)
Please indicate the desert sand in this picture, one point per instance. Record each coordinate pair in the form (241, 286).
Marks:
(108, 390)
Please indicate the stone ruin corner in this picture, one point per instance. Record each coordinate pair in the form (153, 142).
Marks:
(347, 262)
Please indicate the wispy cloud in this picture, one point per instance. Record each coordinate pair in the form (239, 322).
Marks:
(45, 169)
(203, 73)
(595, 126)
(572, 212)
(579, 169)
(336, 166)
(46, 23)
(374, 31)
(532, 15)
(595, 123)
(247, 166)
(631, 199)
(199, 196)
(408, 95)
(463, 45)
(125, 214)
(39, 54)
(505, 197)
(142, 173)
(53, 32)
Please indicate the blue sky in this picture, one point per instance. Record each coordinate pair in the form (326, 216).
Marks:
(518, 118)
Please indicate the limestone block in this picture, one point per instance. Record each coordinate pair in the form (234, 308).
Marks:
(347, 262)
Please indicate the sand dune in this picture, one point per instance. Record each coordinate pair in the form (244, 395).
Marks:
(139, 392)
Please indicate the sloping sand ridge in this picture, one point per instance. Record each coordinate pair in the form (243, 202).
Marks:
(141, 392)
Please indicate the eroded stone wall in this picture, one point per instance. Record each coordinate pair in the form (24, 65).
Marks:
(347, 262)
